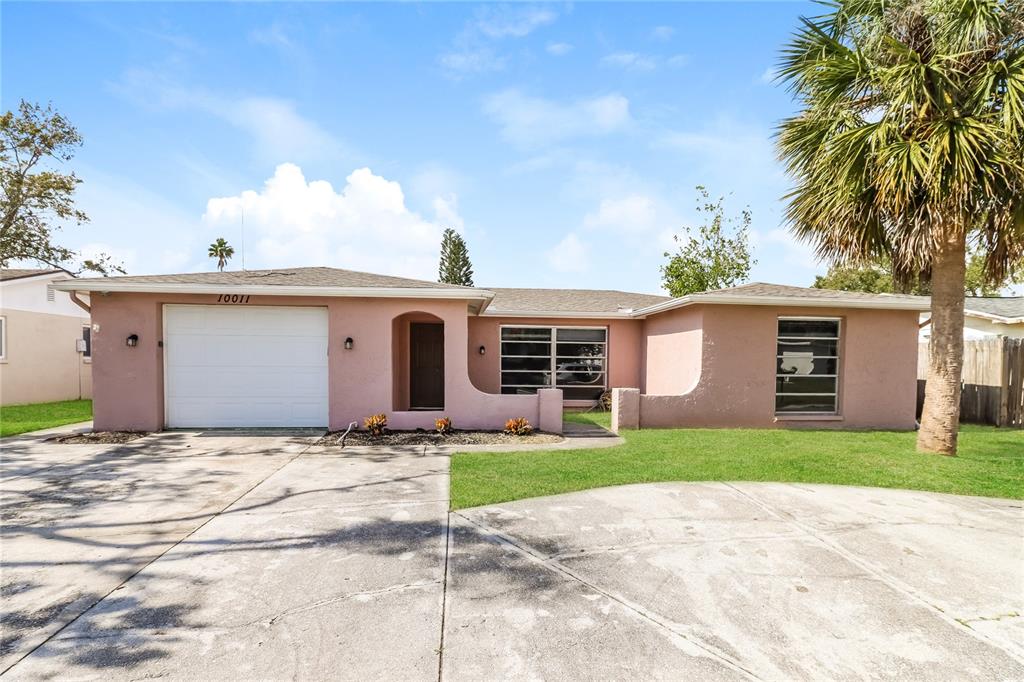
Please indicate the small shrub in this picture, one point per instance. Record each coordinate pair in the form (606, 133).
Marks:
(606, 401)
(376, 423)
(443, 425)
(519, 426)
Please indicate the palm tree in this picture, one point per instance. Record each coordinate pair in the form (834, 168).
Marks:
(909, 145)
(222, 251)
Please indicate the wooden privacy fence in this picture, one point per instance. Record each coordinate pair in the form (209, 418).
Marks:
(993, 381)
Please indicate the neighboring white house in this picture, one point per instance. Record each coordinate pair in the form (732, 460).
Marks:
(45, 339)
(986, 317)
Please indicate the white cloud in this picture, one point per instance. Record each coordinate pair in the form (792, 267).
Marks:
(272, 36)
(635, 61)
(630, 61)
(662, 33)
(507, 22)
(364, 226)
(769, 75)
(632, 213)
(742, 154)
(131, 221)
(126, 258)
(277, 128)
(436, 179)
(569, 255)
(446, 212)
(558, 49)
(476, 60)
(473, 49)
(528, 120)
(795, 253)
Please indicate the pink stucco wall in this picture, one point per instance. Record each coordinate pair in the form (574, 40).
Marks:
(736, 383)
(672, 351)
(128, 382)
(625, 338)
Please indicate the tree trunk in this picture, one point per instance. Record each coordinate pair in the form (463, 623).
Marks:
(940, 419)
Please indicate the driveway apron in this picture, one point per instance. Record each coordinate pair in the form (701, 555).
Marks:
(249, 561)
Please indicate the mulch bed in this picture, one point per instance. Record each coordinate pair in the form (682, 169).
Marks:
(99, 437)
(421, 437)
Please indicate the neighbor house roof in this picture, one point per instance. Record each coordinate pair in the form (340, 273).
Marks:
(7, 274)
(568, 302)
(1004, 309)
(758, 293)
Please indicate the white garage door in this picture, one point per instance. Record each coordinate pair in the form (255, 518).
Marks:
(239, 365)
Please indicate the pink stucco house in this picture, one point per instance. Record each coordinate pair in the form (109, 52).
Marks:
(325, 347)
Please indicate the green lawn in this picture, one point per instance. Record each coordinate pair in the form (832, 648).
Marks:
(15, 419)
(991, 462)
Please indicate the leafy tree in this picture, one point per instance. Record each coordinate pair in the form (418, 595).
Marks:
(222, 251)
(909, 144)
(455, 267)
(716, 258)
(35, 199)
(877, 278)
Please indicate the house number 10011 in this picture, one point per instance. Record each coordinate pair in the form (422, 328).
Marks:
(232, 298)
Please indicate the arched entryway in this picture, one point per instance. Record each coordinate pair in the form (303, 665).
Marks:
(418, 348)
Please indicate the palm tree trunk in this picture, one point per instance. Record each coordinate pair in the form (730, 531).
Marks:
(940, 419)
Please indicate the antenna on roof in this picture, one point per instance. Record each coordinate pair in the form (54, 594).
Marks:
(243, 238)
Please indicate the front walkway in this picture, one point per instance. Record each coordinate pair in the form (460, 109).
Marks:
(232, 556)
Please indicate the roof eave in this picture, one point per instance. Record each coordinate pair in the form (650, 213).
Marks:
(992, 317)
(576, 314)
(63, 274)
(791, 301)
(275, 290)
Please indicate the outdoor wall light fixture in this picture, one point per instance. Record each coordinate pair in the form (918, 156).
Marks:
(348, 343)
(132, 340)
(483, 351)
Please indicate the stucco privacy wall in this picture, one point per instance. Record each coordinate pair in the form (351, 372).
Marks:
(128, 382)
(672, 351)
(624, 347)
(736, 382)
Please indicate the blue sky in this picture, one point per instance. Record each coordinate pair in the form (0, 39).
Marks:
(563, 140)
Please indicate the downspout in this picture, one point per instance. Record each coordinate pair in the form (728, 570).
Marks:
(79, 302)
(84, 306)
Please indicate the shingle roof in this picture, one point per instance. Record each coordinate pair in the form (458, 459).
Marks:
(759, 293)
(776, 290)
(1007, 307)
(598, 301)
(292, 277)
(18, 273)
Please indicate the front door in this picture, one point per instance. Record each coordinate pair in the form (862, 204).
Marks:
(426, 366)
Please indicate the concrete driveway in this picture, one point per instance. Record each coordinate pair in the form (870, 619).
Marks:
(224, 556)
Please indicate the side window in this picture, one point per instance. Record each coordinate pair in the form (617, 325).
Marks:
(807, 366)
(87, 337)
(3, 338)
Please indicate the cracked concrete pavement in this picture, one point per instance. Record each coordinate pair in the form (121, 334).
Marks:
(218, 555)
(755, 580)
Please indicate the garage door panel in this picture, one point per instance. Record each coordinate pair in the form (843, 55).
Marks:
(246, 366)
(199, 350)
(220, 383)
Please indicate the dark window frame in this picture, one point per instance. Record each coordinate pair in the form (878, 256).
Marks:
(556, 362)
(782, 377)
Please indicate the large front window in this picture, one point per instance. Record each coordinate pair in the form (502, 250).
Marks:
(570, 358)
(807, 366)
